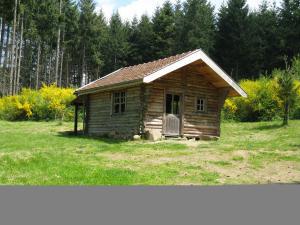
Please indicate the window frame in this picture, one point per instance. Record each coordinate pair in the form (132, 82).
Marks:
(119, 103)
(172, 103)
(204, 98)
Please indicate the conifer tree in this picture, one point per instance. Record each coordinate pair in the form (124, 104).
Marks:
(289, 24)
(117, 47)
(198, 28)
(164, 30)
(232, 38)
(141, 41)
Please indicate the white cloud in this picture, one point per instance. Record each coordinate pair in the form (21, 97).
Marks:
(107, 6)
(253, 4)
(134, 8)
(140, 7)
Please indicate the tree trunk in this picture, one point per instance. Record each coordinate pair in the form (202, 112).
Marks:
(15, 69)
(50, 67)
(12, 65)
(58, 47)
(286, 113)
(61, 68)
(83, 75)
(2, 40)
(38, 67)
(20, 57)
(6, 47)
(17, 56)
(31, 65)
(2, 80)
(61, 59)
(67, 72)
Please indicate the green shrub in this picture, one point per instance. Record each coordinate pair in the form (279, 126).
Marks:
(48, 103)
(296, 111)
(262, 103)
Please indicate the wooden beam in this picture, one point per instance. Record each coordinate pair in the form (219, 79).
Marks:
(86, 114)
(223, 93)
(76, 120)
(184, 73)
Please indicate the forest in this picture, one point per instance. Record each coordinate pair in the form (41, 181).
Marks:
(69, 43)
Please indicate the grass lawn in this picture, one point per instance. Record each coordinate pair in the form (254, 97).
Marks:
(42, 153)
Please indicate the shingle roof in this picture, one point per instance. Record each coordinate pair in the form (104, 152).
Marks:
(134, 73)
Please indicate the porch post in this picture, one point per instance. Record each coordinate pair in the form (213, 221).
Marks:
(76, 119)
(223, 93)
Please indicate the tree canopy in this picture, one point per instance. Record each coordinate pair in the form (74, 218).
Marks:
(70, 43)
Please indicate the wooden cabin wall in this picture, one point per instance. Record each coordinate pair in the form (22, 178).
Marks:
(101, 120)
(203, 123)
(190, 84)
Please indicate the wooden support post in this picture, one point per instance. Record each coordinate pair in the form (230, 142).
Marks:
(223, 93)
(76, 119)
(184, 74)
(86, 114)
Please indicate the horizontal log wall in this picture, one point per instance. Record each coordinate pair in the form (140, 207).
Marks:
(101, 120)
(190, 84)
(198, 123)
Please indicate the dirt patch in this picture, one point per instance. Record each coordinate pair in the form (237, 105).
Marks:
(279, 172)
(241, 153)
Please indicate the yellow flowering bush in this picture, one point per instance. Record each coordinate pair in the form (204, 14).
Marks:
(262, 102)
(296, 113)
(50, 102)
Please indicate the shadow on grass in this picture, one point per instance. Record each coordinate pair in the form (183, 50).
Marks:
(80, 135)
(268, 127)
(295, 145)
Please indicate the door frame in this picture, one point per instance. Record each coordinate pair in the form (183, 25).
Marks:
(181, 108)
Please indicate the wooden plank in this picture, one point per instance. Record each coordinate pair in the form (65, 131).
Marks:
(190, 84)
(102, 119)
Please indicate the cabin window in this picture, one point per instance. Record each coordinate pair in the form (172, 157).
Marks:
(172, 104)
(119, 102)
(201, 105)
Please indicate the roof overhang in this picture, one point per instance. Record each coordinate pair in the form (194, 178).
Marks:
(196, 56)
(111, 87)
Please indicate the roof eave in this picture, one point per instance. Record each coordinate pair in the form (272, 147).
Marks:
(121, 85)
(197, 55)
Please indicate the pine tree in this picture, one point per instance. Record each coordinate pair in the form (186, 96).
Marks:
(71, 43)
(179, 27)
(117, 46)
(141, 41)
(265, 40)
(58, 44)
(133, 56)
(287, 87)
(198, 26)
(13, 49)
(289, 24)
(89, 40)
(231, 50)
(164, 30)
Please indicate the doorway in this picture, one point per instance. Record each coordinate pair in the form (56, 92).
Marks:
(173, 115)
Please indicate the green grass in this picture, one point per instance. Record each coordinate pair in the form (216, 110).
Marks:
(44, 153)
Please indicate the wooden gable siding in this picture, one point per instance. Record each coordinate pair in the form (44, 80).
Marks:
(190, 84)
(204, 123)
(102, 120)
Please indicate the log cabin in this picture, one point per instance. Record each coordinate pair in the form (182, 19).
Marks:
(178, 96)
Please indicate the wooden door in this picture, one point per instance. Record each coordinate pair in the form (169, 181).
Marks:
(172, 118)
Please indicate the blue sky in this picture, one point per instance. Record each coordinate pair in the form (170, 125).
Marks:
(130, 8)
